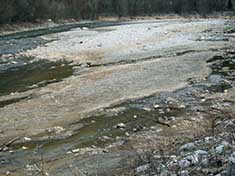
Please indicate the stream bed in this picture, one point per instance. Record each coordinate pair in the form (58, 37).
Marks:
(63, 148)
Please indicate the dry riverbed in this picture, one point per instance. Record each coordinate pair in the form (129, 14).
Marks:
(119, 99)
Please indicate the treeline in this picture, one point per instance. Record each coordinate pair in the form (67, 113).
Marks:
(34, 10)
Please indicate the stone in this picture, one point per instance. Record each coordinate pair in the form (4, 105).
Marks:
(208, 140)
(205, 162)
(147, 109)
(184, 173)
(27, 139)
(231, 167)
(201, 152)
(187, 147)
(105, 151)
(156, 106)
(182, 106)
(193, 159)
(220, 149)
(75, 150)
(226, 144)
(105, 138)
(215, 79)
(24, 148)
(120, 125)
(5, 149)
(184, 163)
(127, 134)
(142, 168)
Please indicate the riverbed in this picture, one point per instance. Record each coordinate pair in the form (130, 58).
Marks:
(77, 99)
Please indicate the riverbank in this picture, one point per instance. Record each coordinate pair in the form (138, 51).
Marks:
(6, 29)
(133, 84)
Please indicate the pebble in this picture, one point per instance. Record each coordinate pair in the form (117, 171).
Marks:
(8, 173)
(120, 125)
(201, 152)
(193, 159)
(24, 148)
(205, 162)
(187, 147)
(75, 150)
(105, 151)
(27, 139)
(156, 106)
(5, 149)
(220, 149)
(184, 173)
(127, 134)
(105, 138)
(147, 109)
(231, 167)
(182, 106)
(184, 163)
(203, 100)
(226, 144)
(142, 168)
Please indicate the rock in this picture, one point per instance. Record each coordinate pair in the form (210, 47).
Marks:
(193, 159)
(127, 134)
(135, 130)
(33, 86)
(226, 144)
(120, 125)
(216, 162)
(188, 147)
(5, 149)
(184, 173)
(105, 151)
(142, 168)
(56, 129)
(231, 167)
(184, 163)
(75, 150)
(215, 79)
(203, 100)
(24, 148)
(182, 106)
(27, 139)
(105, 138)
(208, 140)
(147, 109)
(8, 173)
(165, 173)
(205, 162)
(220, 149)
(201, 152)
(156, 106)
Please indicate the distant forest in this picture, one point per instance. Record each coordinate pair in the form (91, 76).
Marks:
(36, 10)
